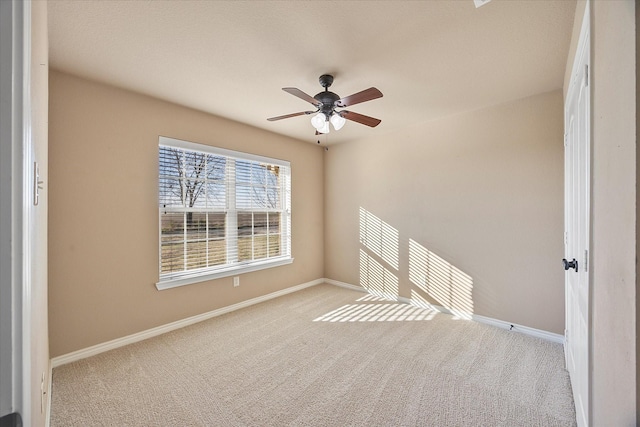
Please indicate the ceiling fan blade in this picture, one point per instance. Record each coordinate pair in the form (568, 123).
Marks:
(300, 94)
(356, 98)
(286, 116)
(360, 118)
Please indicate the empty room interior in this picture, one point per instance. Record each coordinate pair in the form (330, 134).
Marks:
(324, 213)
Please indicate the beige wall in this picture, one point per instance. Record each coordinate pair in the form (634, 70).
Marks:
(613, 246)
(103, 214)
(478, 195)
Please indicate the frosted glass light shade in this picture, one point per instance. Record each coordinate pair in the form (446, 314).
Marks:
(325, 127)
(320, 122)
(337, 121)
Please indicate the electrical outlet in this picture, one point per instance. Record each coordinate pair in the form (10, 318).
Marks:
(236, 281)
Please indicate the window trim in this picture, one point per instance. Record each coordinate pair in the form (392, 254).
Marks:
(194, 146)
(188, 279)
(196, 276)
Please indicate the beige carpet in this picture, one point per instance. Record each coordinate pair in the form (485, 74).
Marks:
(324, 356)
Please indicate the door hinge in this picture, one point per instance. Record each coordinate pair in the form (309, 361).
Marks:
(586, 260)
(566, 237)
(586, 75)
(43, 394)
(565, 139)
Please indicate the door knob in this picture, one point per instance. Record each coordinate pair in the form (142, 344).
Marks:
(570, 264)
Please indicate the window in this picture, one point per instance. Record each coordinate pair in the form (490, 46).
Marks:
(221, 212)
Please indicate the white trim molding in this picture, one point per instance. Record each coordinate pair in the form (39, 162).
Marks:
(345, 285)
(538, 333)
(233, 270)
(49, 387)
(149, 333)
(16, 157)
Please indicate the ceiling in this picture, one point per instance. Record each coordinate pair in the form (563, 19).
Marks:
(231, 58)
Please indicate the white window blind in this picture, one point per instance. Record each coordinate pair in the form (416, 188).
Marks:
(221, 212)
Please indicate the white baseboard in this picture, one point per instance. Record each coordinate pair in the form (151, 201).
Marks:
(345, 285)
(149, 333)
(538, 333)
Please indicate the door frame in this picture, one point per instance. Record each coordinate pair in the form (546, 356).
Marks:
(16, 209)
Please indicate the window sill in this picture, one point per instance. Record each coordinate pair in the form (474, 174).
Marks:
(169, 283)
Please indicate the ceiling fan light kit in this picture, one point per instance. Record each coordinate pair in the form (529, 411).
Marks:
(326, 103)
(337, 121)
(320, 122)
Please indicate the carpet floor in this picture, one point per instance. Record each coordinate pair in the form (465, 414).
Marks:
(323, 356)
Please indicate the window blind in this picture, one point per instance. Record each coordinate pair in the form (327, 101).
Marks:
(220, 209)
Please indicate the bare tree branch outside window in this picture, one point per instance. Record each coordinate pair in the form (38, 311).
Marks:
(194, 210)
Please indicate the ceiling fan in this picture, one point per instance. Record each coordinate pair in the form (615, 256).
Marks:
(326, 103)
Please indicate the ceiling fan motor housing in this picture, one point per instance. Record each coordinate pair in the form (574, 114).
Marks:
(327, 100)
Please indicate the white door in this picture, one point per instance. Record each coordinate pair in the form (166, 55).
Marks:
(577, 203)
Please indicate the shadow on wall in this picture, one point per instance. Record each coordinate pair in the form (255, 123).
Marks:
(437, 278)
(379, 256)
(433, 280)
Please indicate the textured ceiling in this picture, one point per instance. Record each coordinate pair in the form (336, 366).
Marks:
(231, 58)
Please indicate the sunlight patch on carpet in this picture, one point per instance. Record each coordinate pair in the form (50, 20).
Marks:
(381, 312)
